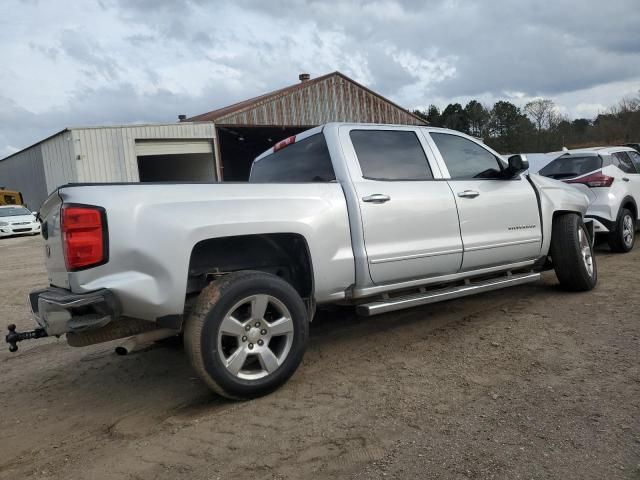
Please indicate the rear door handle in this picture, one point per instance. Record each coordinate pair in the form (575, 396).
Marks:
(625, 179)
(376, 198)
(468, 194)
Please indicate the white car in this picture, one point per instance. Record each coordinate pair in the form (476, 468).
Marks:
(610, 176)
(17, 220)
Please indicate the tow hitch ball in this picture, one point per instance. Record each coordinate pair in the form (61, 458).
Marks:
(13, 337)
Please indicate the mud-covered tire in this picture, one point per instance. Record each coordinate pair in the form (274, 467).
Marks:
(216, 304)
(571, 256)
(623, 235)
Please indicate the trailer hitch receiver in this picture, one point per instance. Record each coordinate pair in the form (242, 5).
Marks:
(13, 337)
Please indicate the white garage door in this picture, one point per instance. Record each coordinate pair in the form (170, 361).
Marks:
(172, 147)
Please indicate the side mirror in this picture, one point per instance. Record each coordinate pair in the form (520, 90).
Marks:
(517, 165)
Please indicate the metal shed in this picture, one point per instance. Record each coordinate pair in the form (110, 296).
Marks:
(248, 128)
(218, 145)
(127, 153)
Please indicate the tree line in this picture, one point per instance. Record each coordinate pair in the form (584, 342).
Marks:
(538, 126)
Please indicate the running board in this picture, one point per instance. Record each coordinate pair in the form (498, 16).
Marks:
(470, 288)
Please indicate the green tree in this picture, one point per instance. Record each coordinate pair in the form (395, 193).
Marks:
(433, 116)
(478, 117)
(455, 118)
(510, 129)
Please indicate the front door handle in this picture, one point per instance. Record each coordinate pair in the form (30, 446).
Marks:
(468, 194)
(376, 198)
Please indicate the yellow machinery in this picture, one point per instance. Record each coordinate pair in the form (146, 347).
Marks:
(10, 197)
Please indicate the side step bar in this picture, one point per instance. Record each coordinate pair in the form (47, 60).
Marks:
(423, 298)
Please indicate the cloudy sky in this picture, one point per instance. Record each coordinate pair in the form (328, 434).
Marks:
(71, 63)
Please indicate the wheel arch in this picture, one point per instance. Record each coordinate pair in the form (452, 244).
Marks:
(629, 203)
(286, 255)
(557, 213)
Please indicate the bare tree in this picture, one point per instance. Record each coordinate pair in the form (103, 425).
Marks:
(543, 114)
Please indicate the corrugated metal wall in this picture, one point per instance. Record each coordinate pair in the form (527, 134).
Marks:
(108, 154)
(58, 159)
(24, 172)
(334, 99)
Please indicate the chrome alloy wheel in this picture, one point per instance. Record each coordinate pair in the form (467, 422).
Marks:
(585, 251)
(628, 231)
(255, 337)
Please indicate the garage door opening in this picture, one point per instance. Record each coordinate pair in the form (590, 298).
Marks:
(239, 146)
(175, 161)
(187, 167)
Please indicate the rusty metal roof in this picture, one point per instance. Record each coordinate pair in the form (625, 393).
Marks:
(248, 112)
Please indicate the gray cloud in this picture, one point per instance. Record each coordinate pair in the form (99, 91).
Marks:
(123, 61)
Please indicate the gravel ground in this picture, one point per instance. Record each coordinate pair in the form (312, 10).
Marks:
(528, 382)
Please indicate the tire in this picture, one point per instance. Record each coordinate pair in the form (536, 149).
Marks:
(225, 337)
(572, 254)
(623, 236)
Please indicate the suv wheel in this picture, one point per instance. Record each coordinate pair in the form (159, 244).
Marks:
(572, 254)
(622, 238)
(247, 334)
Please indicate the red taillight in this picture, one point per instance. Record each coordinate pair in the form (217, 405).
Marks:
(597, 179)
(83, 236)
(284, 143)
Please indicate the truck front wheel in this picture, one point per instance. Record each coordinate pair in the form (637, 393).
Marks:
(572, 254)
(247, 334)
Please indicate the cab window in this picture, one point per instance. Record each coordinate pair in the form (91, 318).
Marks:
(390, 155)
(466, 159)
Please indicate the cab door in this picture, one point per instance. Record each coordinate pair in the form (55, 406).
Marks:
(499, 218)
(408, 212)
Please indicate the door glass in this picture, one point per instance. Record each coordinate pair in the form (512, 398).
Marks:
(635, 158)
(466, 159)
(390, 155)
(623, 162)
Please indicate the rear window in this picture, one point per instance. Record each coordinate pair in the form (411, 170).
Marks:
(302, 162)
(569, 166)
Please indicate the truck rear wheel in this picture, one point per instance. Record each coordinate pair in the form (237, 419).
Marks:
(247, 334)
(572, 254)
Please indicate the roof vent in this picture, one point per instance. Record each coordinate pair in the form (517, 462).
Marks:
(182, 117)
(304, 77)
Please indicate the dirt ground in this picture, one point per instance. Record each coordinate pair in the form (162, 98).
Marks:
(528, 382)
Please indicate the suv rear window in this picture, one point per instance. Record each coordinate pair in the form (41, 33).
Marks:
(302, 162)
(569, 166)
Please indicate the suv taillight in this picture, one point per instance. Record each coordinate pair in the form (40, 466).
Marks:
(597, 179)
(84, 236)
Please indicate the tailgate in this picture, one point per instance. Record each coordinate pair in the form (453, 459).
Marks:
(54, 256)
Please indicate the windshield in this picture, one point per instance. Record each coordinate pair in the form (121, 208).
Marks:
(13, 211)
(569, 166)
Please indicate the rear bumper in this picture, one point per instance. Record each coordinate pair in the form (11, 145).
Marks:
(60, 311)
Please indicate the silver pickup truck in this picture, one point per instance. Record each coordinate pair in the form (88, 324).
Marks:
(380, 217)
